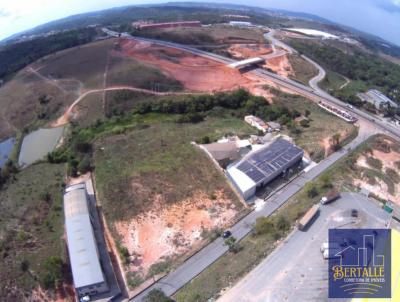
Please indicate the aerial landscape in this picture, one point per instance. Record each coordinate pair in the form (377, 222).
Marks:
(192, 151)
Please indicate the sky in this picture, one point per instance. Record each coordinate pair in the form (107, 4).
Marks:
(379, 17)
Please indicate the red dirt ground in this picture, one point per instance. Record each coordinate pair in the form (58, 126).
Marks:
(194, 72)
(244, 51)
(280, 65)
(380, 188)
(167, 231)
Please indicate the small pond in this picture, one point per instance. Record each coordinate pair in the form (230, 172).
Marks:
(37, 144)
(6, 148)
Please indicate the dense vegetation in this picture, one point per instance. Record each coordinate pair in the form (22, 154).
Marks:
(356, 65)
(240, 100)
(187, 109)
(14, 57)
(31, 228)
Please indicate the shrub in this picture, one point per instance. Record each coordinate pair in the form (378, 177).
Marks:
(58, 156)
(263, 226)
(282, 223)
(157, 295)
(205, 140)
(305, 123)
(84, 165)
(312, 190)
(193, 118)
(24, 265)
(53, 272)
(123, 251)
(232, 244)
(374, 163)
(393, 175)
(133, 279)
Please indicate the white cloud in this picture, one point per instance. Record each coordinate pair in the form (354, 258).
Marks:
(396, 2)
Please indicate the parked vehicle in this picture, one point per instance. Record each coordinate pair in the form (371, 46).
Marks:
(354, 213)
(331, 253)
(329, 245)
(226, 234)
(330, 197)
(311, 213)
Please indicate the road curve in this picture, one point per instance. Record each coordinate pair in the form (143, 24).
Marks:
(316, 96)
(318, 78)
(64, 119)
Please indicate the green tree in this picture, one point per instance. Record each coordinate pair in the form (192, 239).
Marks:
(84, 165)
(52, 272)
(311, 190)
(157, 295)
(282, 223)
(231, 244)
(263, 225)
(335, 141)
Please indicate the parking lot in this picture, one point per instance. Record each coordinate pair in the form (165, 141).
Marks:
(296, 270)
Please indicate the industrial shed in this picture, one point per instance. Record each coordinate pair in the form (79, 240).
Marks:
(260, 167)
(82, 246)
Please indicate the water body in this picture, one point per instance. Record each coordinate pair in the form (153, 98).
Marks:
(6, 148)
(37, 144)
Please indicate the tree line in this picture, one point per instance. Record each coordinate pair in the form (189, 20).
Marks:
(356, 65)
(16, 56)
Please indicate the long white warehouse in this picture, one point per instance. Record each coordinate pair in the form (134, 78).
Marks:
(260, 167)
(82, 246)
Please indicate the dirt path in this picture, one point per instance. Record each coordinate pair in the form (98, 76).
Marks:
(64, 119)
(105, 79)
(345, 84)
(50, 81)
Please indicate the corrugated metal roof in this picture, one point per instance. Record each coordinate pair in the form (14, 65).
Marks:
(82, 246)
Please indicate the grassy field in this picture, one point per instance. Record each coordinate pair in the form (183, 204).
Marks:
(85, 63)
(216, 34)
(155, 156)
(31, 229)
(21, 105)
(303, 71)
(332, 81)
(131, 72)
(90, 109)
(322, 125)
(30, 101)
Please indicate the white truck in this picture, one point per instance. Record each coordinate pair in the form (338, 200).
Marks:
(330, 249)
(330, 197)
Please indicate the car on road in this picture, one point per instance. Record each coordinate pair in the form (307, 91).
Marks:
(226, 234)
(354, 213)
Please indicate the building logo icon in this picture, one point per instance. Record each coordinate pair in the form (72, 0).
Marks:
(360, 263)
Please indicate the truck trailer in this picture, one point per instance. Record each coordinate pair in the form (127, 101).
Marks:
(330, 197)
(311, 213)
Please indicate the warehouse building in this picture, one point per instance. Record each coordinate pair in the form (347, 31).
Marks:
(260, 167)
(377, 98)
(82, 246)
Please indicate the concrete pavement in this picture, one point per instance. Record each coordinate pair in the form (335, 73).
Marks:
(296, 270)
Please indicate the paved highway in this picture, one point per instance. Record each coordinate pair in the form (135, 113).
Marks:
(308, 92)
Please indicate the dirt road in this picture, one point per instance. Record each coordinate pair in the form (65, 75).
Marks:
(64, 119)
